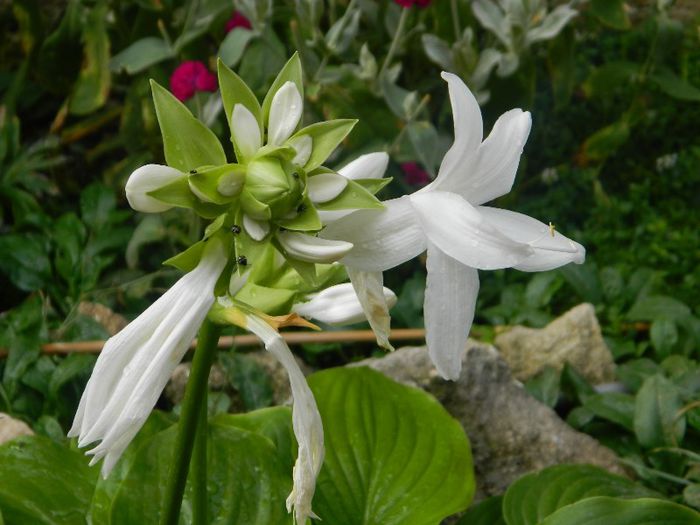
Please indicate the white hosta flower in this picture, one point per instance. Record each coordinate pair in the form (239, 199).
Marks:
(338, 305)
(447, 218)
(306, 421)
(146, 179)
(135, 365)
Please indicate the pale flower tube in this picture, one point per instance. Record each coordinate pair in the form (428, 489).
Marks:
(338, 305)
(135, 365)
(306, 421)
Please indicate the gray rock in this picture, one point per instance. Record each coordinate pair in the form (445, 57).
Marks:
(11, 428)
(511, 433)
(573, 338)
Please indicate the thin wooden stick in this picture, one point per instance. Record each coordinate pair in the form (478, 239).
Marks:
(294, 338)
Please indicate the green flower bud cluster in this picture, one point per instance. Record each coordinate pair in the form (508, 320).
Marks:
(268, 206)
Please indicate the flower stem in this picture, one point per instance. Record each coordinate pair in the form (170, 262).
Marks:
(394, 42)
(192, 423)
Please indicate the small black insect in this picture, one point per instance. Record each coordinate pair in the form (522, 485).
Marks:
(242, 260)
(301, 208)
(295, 175)
(235, 229)
(192, 172)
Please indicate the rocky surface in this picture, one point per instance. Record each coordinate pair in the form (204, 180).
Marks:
(573, 338)
(11, 428)
(511, 433)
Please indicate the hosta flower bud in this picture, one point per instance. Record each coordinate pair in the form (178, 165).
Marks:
(146, 179)
(217, 184)
(338, 305)
(274, 184)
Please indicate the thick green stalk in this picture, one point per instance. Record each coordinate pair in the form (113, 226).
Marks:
(192, 422)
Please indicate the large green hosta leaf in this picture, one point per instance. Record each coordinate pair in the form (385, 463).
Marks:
(612, 511)
(44, 483)
(247, 479)
(535, 496)
(393, 454)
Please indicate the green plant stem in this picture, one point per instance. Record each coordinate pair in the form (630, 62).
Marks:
(455, 19)
(198, 467)
(394, 42)
(192, 421)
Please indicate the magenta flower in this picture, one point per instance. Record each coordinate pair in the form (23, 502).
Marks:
(190, 77)
(410, 3)
(414, 174)
(238, 20)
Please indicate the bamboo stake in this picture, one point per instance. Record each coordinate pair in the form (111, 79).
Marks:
(294, 338)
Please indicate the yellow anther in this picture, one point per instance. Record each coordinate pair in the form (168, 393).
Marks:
(551, 229)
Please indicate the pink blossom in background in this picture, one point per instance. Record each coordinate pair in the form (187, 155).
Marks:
(238, 20)
(410, 3)
(414, 174)
(190, 77)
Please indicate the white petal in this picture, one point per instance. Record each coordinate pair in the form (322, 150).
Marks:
(149, 178)
(469, 129)
(325, 187)
(306, 422)
(338, 305)
(303, 145)
(492, 170)
(552, 25)
(370, 292)
(382, 238)
(313, 249)
(450, 299)
(246, 132)
(135, 364)
(285, 113)
(459, 230)
(256, 229)
(328, 216)
(369, 166)
(551, 248)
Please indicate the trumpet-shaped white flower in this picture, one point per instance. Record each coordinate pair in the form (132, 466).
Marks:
(135, 365)
(338, 305)
(306, 421)
(447, 218)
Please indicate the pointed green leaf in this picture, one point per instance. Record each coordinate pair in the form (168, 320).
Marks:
(253, 207)
(187, 142)
(187, 260)
(395, 456)
(373, 186)
(234, 44)
(353, 196)
(235, 91)
(141, 54)
(607, 511)
(290, 72)
(611, 12)
(307, 220)
(656, 406)
(325, 137)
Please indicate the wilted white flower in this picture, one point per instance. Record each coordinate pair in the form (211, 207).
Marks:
(338, 305)
(135, 365)
(460, 234)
